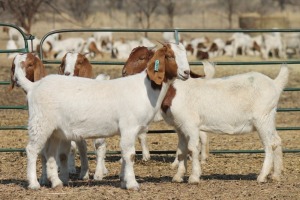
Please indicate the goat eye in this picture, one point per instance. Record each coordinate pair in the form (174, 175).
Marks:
(169, 57)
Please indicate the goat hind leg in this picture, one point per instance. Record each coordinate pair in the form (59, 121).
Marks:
(52, 167)
(266, 130)
(127, 175)
(100, 150)
(82, 149)
(145, 150)
(181, 154)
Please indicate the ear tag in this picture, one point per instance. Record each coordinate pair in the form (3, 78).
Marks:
(156, 65)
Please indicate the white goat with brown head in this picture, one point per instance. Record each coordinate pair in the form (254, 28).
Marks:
(83, 108)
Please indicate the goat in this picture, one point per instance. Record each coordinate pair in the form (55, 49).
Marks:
(136, 64)
(13, 33)
(233, 105)
(272, 43)
(76, 64)
(61, 47)
(106, 108)
(92, 48)
(11, 45)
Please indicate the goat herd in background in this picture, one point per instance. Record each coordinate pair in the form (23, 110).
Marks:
(156, 84)
(266, 45)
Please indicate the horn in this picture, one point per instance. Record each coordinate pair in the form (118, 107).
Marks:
(151, 48)
(163, 43)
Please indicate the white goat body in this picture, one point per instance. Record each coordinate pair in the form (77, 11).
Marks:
(232, 105)
(115, 109)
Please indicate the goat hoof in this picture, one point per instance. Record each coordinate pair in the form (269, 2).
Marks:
(84, 176)
(177, 179)
(133, 186)
(261, 179)
(146, 157)
(194, 180)
(57, 184)
(44, 181)
(275, 177)
(34, 186)
(98, 177)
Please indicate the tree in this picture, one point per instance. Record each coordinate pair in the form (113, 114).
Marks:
(79, 9)
(170, 10)
(24, 11)
(144, 10)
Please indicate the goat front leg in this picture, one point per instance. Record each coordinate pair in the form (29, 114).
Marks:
(64, 149)
(100, 150)
(204, 146)
(181, 155)
(193, 148)
(145, 150)
(43, 179)
(82, 149)
(127, 175)
(32, 151)
(71, 158)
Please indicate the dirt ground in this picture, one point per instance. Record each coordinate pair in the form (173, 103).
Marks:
(225, 176)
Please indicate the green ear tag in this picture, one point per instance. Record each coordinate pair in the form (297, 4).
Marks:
(156, 65)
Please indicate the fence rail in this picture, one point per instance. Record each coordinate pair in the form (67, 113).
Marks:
(31, 37)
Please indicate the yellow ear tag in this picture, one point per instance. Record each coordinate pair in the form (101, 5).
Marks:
(156, 65)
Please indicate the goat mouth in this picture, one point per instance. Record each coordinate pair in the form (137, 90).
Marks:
(183, 76)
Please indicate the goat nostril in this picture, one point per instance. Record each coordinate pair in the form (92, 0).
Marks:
(187, 72)
(67, 73)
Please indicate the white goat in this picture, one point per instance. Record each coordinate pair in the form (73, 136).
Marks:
(61, 47)
(76, 64)
(232, 105)
(11, 45)
(272, 43)
(135, 64)
(104, 109)
(13, 33)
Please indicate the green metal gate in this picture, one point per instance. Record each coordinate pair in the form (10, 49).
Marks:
(30, 37)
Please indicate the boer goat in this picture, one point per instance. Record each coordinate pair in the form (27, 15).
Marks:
(82, 108)
(232, 105)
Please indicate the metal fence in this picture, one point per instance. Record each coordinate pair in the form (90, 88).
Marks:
(30, 38)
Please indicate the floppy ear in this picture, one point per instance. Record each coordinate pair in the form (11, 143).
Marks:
(39, 70)
(12, 72)
(85, 69)
(156, 66)
(62, 65)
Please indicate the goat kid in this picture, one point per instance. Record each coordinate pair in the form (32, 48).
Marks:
(115, 109)
(232, 105)
(76, 64)
(136, 64)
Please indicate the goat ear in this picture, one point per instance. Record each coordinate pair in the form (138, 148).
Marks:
(62, 65)
(85, 69)
(12, 72)
(156, 66)
(39, 71)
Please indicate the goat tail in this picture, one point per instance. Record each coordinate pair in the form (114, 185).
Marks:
(282, 78)
(21, 80)
(209, 69)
